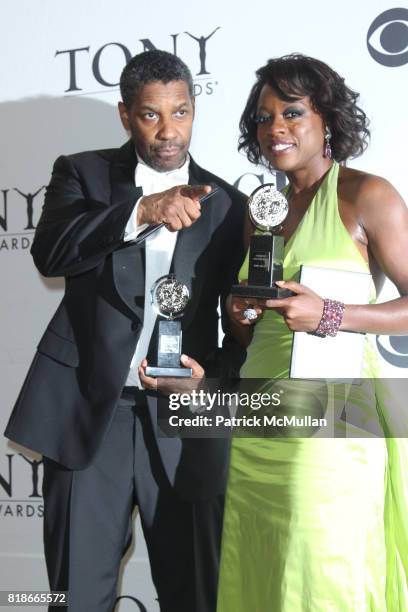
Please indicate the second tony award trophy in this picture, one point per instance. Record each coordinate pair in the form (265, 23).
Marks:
(268, 209)
(169, 299)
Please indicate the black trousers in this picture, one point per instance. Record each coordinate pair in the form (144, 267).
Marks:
(87, 523)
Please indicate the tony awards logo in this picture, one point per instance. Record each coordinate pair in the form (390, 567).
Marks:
(110, 58)
(20, 486)
(17, 222)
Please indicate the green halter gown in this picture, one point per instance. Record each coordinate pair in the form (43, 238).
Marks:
(315, 524)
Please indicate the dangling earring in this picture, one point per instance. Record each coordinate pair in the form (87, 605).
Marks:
(327, 151)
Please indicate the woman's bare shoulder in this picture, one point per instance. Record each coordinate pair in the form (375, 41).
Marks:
(367, 190)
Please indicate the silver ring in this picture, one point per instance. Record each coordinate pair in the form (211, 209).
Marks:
(250, 314)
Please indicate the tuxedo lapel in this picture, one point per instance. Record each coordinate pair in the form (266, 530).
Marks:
(129, 261)
(122, 175)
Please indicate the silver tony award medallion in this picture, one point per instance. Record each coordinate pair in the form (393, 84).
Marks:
(268, 209)
(169, 300)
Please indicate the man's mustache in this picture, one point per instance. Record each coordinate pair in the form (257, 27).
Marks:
(171, 144)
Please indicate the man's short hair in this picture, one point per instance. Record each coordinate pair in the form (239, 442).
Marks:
(154, 65)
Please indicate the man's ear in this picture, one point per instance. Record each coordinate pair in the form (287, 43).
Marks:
(124, 117)
(193, 104)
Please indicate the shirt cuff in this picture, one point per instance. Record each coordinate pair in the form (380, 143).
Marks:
(133, 230)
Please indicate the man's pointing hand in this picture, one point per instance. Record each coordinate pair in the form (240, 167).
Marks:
(177, 207)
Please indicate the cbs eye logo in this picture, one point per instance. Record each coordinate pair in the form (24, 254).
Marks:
(394, 349)
(387, 38)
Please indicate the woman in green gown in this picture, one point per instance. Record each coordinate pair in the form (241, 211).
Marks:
(315, 524)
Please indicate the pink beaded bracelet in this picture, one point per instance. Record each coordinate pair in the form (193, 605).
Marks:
(331, 318)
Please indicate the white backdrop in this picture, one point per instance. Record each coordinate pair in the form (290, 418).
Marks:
(60, 63)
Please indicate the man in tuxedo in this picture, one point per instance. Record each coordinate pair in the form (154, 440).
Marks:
(86, 403)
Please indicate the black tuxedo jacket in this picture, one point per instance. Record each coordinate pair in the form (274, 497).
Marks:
(82, 362)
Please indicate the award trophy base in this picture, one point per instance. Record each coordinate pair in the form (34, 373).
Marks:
(168, 352)
(169, 372)
(257, 291)
(265, 268)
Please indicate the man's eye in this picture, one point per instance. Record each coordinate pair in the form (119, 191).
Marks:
(258, 119)
(150, 115)
(181, 113)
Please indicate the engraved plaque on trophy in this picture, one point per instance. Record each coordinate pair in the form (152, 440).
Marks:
(268, 208)
(169, 299)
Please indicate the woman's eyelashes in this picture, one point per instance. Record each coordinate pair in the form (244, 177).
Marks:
(261, 118)
(289, 113)
(292, 113)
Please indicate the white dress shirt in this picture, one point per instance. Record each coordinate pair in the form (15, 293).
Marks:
(159, 249)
